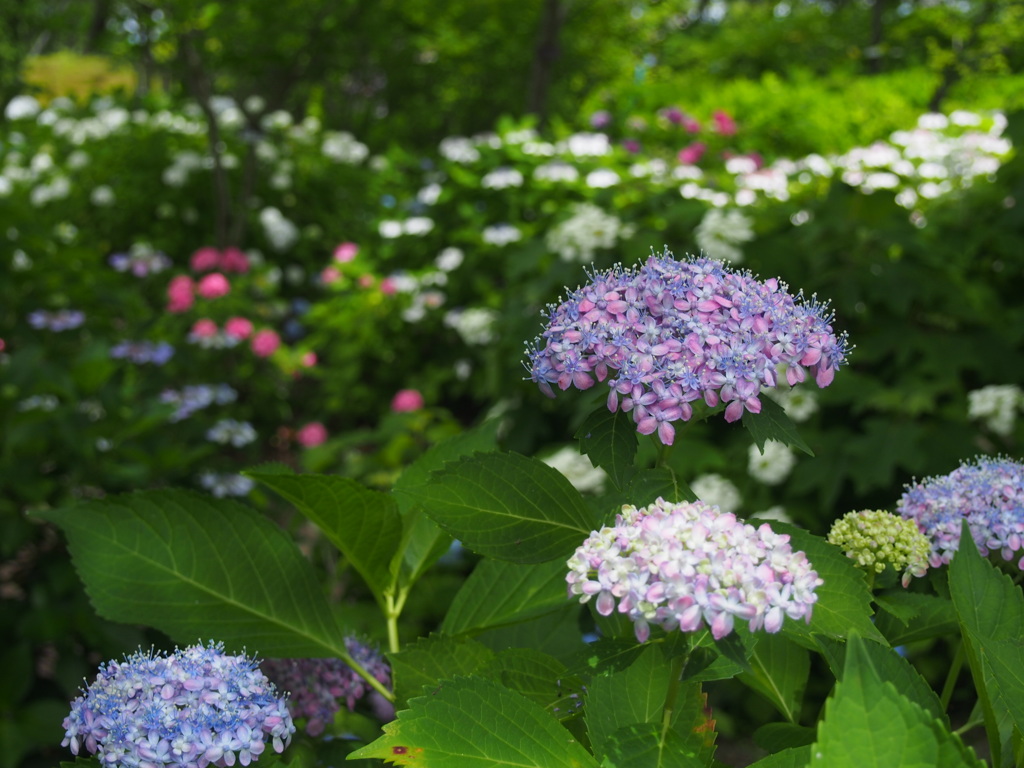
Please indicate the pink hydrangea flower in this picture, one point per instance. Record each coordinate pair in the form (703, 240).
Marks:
(308, 360)
(690, 125)
(213, 286)
(683, 566)
(265, 343)
(329, 275)
(204, 328)
(365, 281)
(180, 294)
(238, 328)
(234, 260)
(724, 124)
(692, 153)
(205, 259)
(345, 252)
(312, 435)
(388, 286)
(406, 401)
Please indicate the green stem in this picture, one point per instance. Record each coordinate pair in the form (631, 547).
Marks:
(674, 682)
(954, 673)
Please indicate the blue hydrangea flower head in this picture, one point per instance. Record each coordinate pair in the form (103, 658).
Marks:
(668, 333)
(987, 492)
(190, 709)
(318, 686)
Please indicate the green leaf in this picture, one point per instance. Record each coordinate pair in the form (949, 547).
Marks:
(775, 737)
(432, 659)
(645, 745)
(890, 666)
(844, 599)
(990, 610)
(196, 567)
(868, 722)
(636, 696)
(609, 440)
(540, 678)
(498, 593)
(907, 617)
(507, 506)
(648, 485)
(556, 633)
(362, 523)
(795, 757)
(423, 540)
(472, 722)
(780, 669)
(772, 423)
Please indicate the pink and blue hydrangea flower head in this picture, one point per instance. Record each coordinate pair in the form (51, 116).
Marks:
(668, 333)
(987, 492)
(689, 565)
(190, 709)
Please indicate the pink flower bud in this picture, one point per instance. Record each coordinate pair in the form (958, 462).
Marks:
(265, 343)
(238, 328)
(345, 252)
(204, 328)
(312, 435)
(234, 260)
(180, 294)
(406, 401)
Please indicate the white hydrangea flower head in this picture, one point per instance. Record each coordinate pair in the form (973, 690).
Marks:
(713, 489)
(773, 465)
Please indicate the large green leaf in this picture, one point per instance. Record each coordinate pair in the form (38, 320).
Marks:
(649, 485)
(907, 617)
(779, 671)
(499, 592)
(772, 423)
(647, 745)
(423, 541)
(472, 722)
(362, 523)
(540, 678)
(197, 567)
(636, 696)
(869, 723)
(609, 439)
(794, 757)
(844, 599)
(432, 659)
(990, 609)
(507, 506)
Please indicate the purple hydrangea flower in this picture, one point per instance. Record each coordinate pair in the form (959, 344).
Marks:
(193, 708)
(680, 566)
(61, 320)
(141, 352)
(671, 332)
(195, 397)
(318, 686)
(988, 493)
(141, 261)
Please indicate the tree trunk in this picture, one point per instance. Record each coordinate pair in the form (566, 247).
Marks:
(545, 54)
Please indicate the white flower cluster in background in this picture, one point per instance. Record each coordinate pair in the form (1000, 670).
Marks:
(721, 232)
(281, 232)
(586, 230)
(774, 465)
(343, 147)
(717, 491)
(997, 406)
(799, 403)
(474, 325)
(577, 469)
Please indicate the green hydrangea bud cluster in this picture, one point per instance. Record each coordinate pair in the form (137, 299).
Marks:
(874, 538)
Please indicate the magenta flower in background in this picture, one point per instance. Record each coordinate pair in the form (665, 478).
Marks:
(195, 707)
(345, 252)
(319, 686)
(673, 114)
(180, 294)
(692, 153)
(668, 333)
(330, 275)
(690, 125)
(213, 286)
(204, 328)
(406, 401)
(724, 124)
(205, 259)
(234, 260)
(312, 435)
(987, 492)
(687, 565)
(265, 343)
(308, 359)
(631, 145)
(601, 119)
(238, 328)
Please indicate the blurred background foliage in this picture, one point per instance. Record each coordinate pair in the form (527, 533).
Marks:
(343, 119)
